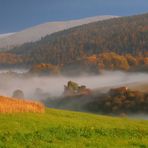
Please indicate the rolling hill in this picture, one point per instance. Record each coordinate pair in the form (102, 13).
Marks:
(57, 128)
(119, 35)
(35, 33)
(5, 35)
(114, 44)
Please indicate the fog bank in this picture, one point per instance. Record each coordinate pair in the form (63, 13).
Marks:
(55, 85)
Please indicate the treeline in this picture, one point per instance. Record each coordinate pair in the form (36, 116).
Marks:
(90, 64)
(119, 35)
(10, 59)
(107, 61)
(94, 64)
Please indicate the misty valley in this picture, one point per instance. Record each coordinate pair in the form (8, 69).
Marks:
(111, 92)
(75, 83)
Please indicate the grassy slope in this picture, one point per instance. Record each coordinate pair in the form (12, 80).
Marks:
(70, 129)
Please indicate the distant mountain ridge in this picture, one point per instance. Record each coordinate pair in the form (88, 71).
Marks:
(120, 35)
(114, 44)
(35, 33)
(5, 35)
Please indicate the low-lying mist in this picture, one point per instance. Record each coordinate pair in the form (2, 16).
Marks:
(49, 89)
(55, 85)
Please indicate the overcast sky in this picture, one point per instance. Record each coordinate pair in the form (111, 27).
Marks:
(16, 15)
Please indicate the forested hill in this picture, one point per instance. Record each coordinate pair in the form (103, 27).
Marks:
(120, 35)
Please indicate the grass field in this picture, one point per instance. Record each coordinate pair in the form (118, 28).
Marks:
(12, 105)
(66, 129)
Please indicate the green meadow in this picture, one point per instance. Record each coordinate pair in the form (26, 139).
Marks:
(67, 129)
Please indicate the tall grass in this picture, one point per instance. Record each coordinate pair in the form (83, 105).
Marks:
(12, 105)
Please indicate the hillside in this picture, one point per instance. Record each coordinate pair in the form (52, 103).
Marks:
(115, 44)
(120, 35)
(5, 35)
(37, 32)
(57, 128)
